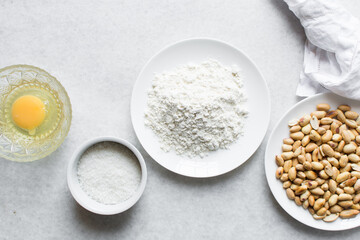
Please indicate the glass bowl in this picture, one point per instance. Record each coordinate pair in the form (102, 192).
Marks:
(20, 147)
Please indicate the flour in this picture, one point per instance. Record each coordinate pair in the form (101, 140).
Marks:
(109, 173)
(195, 109)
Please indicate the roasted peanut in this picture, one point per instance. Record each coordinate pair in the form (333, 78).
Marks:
(327, 136)
(349, 148)
(340, 116)
(290, 193)
(350, 123)
(349, 213)
(331, 114)
(351, 115)
(320, 162)
(292, 173)
(331, 217)
(323, 107)
(344, 107)
(327, 150)
(306, 129)
(304, 120)
(337, 137)
(354, 158)
(317, 166)
(279, 161)
(318, 114)
(310, 147)
(315, 136)
(297, 135)
(333, 200)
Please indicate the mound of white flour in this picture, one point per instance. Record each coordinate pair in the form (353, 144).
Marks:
(195, 109)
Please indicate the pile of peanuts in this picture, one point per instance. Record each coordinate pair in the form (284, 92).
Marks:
(320, 163)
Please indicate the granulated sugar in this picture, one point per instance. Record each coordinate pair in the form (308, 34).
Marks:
(109, 172)
(195, 109)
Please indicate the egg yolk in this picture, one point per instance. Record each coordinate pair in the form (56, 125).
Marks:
(28, 112)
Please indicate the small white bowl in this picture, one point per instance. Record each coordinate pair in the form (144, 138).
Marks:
(86, 201)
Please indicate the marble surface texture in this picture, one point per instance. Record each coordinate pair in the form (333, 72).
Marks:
(96, 49)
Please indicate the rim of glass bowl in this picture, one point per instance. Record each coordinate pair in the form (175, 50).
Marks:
(61, 90)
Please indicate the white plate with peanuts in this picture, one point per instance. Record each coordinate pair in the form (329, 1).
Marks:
(314, 173)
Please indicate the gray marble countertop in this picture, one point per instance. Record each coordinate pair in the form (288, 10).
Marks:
(96, 49)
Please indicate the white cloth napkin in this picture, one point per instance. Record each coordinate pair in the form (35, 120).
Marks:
(332, 51)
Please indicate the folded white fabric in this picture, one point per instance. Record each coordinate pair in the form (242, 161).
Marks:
(332, 51)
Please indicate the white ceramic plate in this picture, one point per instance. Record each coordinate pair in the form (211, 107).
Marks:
(196, 51)
(273, 148)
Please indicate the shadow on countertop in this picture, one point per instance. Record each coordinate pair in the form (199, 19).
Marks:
(103, 223)
(289, 17)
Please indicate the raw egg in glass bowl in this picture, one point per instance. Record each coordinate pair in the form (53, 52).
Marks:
(35, 113)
